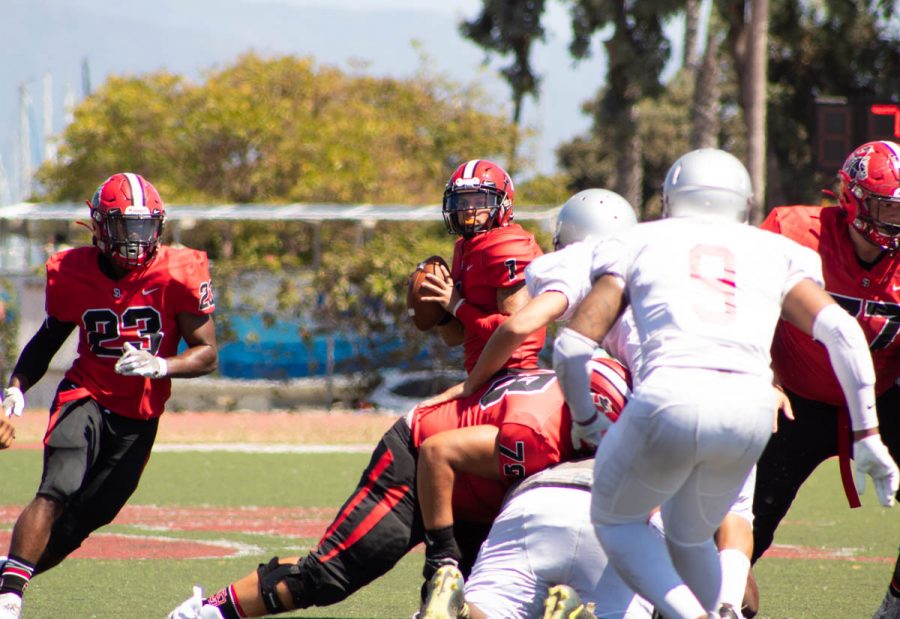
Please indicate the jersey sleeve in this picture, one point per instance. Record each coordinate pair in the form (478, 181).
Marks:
(564, 271)
(803, 263)
(505, 261)
(58, 293)
(772, 222)
(609, 258)
(194, 292)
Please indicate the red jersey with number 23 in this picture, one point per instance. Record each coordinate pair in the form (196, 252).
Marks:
(535, 428)
(482, 265)
(140, 308)
(870, 294)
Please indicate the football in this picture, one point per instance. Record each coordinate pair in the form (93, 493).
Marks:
(425, 314)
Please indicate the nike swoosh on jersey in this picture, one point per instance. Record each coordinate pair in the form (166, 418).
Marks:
(150, 291)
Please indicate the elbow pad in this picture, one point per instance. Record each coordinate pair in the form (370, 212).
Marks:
(852, 362)
(571, 353)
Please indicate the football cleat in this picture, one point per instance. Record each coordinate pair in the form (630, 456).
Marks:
(889, 609)
(444, 595)
(10, 606)
(563, 602)
(727, 611)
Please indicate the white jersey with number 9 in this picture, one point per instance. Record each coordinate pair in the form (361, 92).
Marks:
(705, 294)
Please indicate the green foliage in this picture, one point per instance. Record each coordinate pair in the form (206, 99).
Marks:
(9, 328)
(833, 48)
(280, 130)
(276, 130)
(830, 48)
(543, 190)
(367, 289)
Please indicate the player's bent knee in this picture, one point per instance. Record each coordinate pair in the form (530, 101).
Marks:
(271, 575)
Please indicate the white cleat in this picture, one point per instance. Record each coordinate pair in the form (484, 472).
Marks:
(190, 608)
(10, 606)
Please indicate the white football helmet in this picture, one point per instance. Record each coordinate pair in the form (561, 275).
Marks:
(708, 183)
(593, 212)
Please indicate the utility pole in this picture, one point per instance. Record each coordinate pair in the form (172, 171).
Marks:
(49, 151)
(24, 143)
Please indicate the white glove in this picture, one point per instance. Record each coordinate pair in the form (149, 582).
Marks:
(587, 436)
(192, 608)
(872, 458)
(138, 362)
(13, 402)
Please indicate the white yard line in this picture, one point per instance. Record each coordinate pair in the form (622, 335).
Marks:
(267, 448)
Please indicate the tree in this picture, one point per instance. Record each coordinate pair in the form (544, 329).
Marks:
(834, 47)
(282, 130)
(511, 27)
(277, 130)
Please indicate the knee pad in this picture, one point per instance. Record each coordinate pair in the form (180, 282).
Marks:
(272, 573)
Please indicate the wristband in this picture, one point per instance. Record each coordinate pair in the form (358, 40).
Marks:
(456, 307)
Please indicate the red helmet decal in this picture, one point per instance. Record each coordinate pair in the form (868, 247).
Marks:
(869, 184)
(610, 386)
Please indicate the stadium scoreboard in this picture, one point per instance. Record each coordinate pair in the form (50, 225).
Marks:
(842, 124)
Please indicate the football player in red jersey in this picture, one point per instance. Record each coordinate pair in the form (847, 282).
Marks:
(132, 300)
(486, 283)
(858, 244)
(381, 521)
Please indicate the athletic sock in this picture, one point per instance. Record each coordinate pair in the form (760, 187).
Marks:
(735, 567)
(16, 575)
(227, 603)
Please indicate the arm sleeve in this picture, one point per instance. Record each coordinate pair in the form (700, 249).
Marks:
(571, 353)
(852, 362)
(477, 322)
(36, 356)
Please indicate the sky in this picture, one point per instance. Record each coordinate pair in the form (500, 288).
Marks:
(54, 37)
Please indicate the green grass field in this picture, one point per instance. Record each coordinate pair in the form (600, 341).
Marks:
(121, 589)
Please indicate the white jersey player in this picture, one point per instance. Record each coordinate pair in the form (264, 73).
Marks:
(532, 547)
(706, 292)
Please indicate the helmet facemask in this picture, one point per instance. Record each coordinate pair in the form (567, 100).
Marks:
(130, 240)
(464, 210)
(878, 219)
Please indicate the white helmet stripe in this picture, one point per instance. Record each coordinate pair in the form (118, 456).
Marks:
(893, 147)
(469, 172)
(137, 191)
(612, 376)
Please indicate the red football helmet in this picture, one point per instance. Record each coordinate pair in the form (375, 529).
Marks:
(610, 386)
(870, 192)
(478, 185)
(127, 217)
